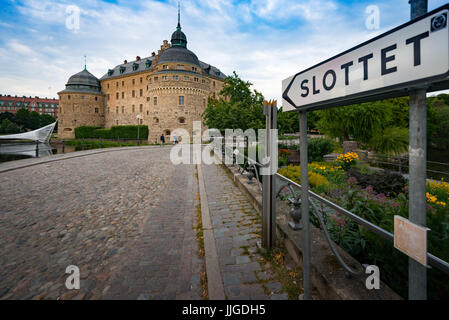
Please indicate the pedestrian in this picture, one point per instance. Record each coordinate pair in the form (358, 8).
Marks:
(175, 138)
(162, 139)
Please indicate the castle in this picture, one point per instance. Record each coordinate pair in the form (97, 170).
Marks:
(164, 91)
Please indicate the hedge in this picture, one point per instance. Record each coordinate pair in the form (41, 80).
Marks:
(115, 132)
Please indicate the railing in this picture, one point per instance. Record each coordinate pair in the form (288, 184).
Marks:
(282, 182)
(402, 163)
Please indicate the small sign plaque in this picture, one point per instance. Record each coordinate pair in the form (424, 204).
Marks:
(410, 239)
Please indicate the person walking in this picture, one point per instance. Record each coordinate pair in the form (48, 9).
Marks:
(175, 138)
(162, 139)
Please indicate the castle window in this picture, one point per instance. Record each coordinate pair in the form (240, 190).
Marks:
(134, 109)
(96, 98)
(204, 102)
(134, 93)
(180, 67)
(116, 110)
(96, 110)
(110, 72)
(167, 132)
(82, 97)
(123, 109)
(155, 120)
(213, 84)
(134, 81)
(203, 81)
(116, 84)
(164, 78)
(165, 67)
(182, 120)
(122, 70)
(116, 122)
(181, 100)
(148, 112)
(108, 85)
(186, 78)
(141, 108)
(148, 98)
(141, 80)
(123, 95)
(68, 96)
(155, 79)
(123, 83)
(195, 79)
(141, 91)
(176, 78)
(109, 97)
(155, 101)
(135, 66)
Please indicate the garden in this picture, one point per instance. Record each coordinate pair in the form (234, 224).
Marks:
(376, 195)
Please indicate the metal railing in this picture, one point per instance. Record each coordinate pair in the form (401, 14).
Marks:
(282, 182)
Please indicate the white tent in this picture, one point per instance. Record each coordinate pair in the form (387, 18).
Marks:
(42, 134)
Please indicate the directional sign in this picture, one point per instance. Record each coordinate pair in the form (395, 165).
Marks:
(412, 55)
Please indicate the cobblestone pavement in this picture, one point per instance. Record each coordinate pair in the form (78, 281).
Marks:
(110, 214)
(237, 231)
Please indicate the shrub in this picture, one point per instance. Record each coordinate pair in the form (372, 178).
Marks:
(318, 147)
(393, 141)
(316, 180)
(347, 160)
(115, 132)
(386, 182)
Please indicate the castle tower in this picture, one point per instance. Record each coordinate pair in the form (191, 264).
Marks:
(81, 103)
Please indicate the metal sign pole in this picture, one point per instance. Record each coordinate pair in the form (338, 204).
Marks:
(268, 190)
(307, 272)
(417, 174)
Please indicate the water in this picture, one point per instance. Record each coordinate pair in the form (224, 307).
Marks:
(17, 150)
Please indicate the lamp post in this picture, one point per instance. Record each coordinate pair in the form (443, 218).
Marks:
(138, 129)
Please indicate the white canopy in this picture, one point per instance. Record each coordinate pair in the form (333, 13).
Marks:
(42, 134)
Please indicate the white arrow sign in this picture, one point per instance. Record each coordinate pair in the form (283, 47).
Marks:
(414, 54)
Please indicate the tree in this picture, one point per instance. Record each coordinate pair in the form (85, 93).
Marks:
(23, 118)
(9, 127)
(288, 121)
(46, 119)
(237, 107)
(438, 127)
(7, 115)
(360, 122)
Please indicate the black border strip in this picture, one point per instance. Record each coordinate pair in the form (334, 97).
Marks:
(387, 92)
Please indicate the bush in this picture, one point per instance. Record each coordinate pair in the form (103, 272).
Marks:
(386, 182)
(318, 182)
(8, 127)
(115, 132)
(393, 141)
(319, 147)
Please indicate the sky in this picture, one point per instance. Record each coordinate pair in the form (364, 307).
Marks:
(264, 41)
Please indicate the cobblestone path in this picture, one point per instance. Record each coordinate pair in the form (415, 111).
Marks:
(237, 231)
(121, 217)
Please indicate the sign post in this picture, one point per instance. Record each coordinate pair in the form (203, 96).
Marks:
(412, 59)
(417, 283)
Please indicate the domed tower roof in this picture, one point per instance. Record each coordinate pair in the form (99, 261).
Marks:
(178, 54)
(178, 51)
(83, 81)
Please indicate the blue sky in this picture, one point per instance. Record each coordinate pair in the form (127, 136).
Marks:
(264, 41)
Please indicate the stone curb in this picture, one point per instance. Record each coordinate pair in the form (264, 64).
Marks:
(214, 279)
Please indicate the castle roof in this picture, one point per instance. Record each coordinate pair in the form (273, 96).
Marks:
(83, 81)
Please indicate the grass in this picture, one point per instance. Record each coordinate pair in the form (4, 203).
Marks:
(98, 144)
(200, 238)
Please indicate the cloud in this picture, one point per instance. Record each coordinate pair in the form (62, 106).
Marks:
(265, 41)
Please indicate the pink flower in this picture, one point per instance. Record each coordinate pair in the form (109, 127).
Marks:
(395, 205)
(352, 180)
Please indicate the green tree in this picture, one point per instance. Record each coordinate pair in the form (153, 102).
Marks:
(438, 127)
(23, 118)
(9, 127)
(34, 121)
(46, 119)
(360, 122)
(237, 107)
(288, 121)
(7, 115)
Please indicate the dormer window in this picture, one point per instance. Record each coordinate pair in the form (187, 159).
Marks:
(148, 63)
(135, 66)
(122, 69)
(165, 67)
(110, 72)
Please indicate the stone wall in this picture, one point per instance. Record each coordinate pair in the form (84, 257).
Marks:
(79, 109)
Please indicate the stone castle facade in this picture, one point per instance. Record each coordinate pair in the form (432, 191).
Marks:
(167, 91)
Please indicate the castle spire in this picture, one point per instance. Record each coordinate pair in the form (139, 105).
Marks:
(179, 16)
(85, 62)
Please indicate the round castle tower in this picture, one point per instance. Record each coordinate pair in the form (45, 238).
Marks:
(81, 104)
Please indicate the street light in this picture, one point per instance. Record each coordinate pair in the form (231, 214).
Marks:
(138, 131)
